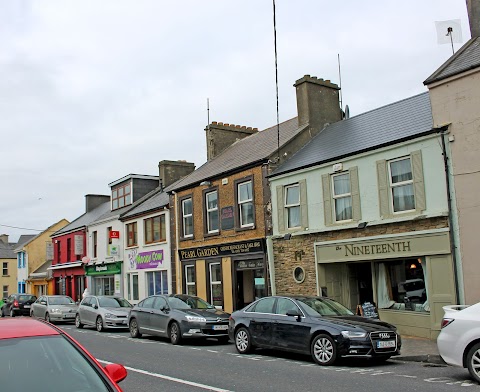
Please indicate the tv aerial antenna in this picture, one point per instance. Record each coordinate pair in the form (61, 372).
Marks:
(449, 32)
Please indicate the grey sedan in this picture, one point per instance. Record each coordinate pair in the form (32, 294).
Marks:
(102, 312)
(54, 308)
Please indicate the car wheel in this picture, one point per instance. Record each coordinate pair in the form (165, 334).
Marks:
(324, 351)
(12, 312)
(473, 362)
(78, 322)
(99, 324)
(174, 333)
(243, 340)
(47, 318)
(134, 333)
(31, 313)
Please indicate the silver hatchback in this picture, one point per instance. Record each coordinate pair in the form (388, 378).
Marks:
(54, 308)
(102, 312)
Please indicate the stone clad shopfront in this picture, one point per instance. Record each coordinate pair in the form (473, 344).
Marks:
(227, 275)
(408, 276)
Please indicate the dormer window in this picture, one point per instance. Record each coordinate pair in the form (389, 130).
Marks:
(121, 196)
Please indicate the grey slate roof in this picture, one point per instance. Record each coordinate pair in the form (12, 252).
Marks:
(23, 240)
(84, 220)
(254, 148)
(150, 202)
(466, 58)
(388, 124)
(6, 250)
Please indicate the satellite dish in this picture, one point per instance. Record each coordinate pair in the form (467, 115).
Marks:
(347, 112)
(449, 31)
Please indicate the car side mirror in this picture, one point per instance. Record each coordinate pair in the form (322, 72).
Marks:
(95, 306)
(116, 372)
(294, 313)
(164, 308)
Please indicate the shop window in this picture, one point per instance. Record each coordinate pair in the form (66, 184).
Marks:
(292, 206)
(211, 211)
(121, 196)
(402, 285)
(5, 270)
(5, 291)
(246, 212)
(216, 287)
(157, 282)
(187, 218)
(104, 285)
(401, 185)
(132, 239)
(155, 230)
(190, 286)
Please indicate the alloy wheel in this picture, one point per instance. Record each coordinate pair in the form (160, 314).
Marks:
(99, 324)
(323, 350)
(175, 335)
(473, 362)
(243, 342)
(78, 322)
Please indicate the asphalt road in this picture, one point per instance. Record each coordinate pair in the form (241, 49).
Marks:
(154, 364)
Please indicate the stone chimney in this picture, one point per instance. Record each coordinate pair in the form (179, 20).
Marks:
(220, 136)
(473, 9)
(317, 102)
(171, 171)
(93, 201)
(4, 238)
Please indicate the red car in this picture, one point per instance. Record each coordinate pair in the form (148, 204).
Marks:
(38, 356)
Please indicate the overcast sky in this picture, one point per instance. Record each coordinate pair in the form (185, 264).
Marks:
(93, 90)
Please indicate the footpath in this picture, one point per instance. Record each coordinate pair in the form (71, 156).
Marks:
(419, 350)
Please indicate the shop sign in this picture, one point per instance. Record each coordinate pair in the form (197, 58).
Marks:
(144, 260)
(375, 248)
(113, 250)
(232, 249)
(249, 264)
(114, 234)
(78, 241)
(103, 269)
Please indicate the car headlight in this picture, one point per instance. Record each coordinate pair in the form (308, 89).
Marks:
(55, 310)
(195, 319)
(110, 315)
(353, 334)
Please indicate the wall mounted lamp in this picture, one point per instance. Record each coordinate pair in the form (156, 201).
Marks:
(206, 183)
(287, 236)
(362, 225)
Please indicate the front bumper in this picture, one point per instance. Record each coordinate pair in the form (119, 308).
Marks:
(204, 330)
(371, 346)
(62, 317)
(118, 322)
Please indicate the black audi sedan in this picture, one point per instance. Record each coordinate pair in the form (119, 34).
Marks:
(178, 317)
(318, 326)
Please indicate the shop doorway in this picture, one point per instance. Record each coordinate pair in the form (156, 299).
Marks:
(250, 285)
(361, 286)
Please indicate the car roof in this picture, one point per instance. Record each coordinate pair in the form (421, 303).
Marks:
(23, 327)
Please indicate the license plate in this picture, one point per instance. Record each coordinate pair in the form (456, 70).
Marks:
(26, 306)
(386, 343)
(220, 327)
(69, 315)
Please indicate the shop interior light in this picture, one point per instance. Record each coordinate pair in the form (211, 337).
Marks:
(413, 266)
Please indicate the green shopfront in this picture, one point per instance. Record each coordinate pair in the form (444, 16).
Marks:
(409, 277)
(105, 278)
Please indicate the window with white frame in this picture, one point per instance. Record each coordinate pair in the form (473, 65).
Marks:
(121, 196)
(245, 204)
(211, 203)
(190, 286)
(5, 269)
(342, 197)
(187, 217)
(216, 288)
(292, 205)
(401, 184)
(157, 282)
(155, 230)
(132, 287)
(5, 291)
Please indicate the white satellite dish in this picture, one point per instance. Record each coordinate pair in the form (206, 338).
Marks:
(449, 31)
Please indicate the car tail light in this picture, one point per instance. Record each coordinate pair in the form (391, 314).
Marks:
(446, 321)
(15, 303)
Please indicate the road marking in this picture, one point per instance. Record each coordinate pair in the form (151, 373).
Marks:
(168, 378)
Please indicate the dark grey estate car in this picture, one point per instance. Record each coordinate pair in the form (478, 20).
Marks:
(178, 317)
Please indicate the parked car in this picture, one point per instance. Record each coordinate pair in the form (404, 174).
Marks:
(39, 356)
(318, 326)
(102, 312)
(54, 308)
(18, 304)
(459, 339)
(178, 317)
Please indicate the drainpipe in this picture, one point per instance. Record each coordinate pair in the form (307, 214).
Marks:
(271, 264)
(177, 244)
(453, 248)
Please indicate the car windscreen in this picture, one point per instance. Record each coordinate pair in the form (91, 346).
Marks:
(46, 363)
(113, 302)
(176, 303)
(325, 307)
(27, 298)
(196, 303)
(60, 301)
